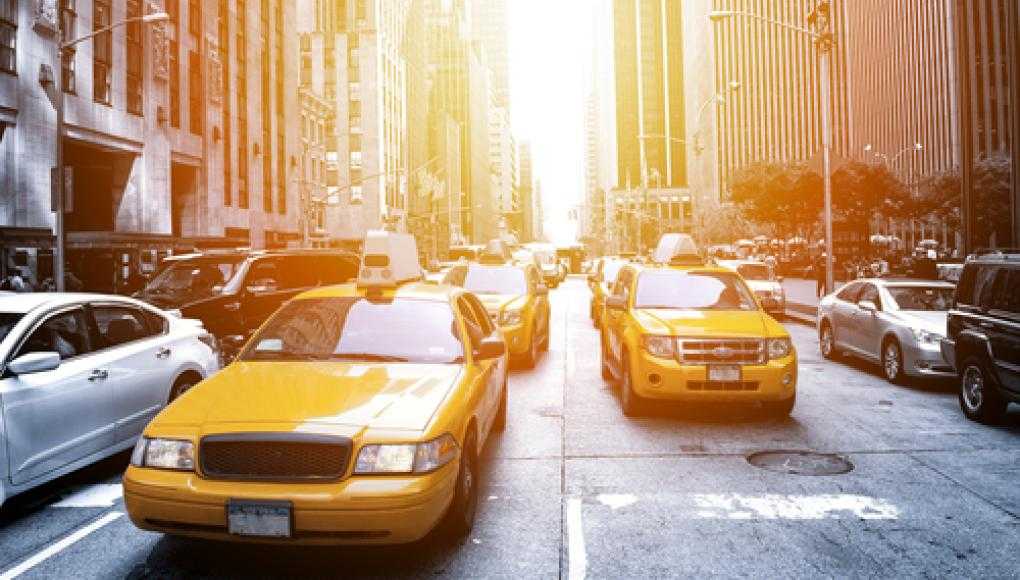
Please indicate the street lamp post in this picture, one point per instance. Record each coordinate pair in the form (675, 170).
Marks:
(58, 104)
(820, 20)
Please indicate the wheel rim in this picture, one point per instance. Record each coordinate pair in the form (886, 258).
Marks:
(827, 344)
(892, 361)
(973, 388)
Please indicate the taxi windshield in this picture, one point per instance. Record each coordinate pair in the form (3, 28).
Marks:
(495, 280)
(675, 289)
(358, 329)
(922, 298)
(754, 271)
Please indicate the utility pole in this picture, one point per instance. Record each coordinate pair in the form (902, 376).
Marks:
(820, 20)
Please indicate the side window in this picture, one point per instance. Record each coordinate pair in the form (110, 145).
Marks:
(156, 323)
(65, 333)
(264, 276)
(965, 289)
(983, 286)
(870, 292)
(1005, 296)
(333, 269)
(116, 325)
(849, 294)
(298, 272)
(623, 280)
(475, 332)
(480, 315)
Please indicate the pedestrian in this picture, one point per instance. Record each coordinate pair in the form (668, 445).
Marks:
(820, 277)
(15, 282)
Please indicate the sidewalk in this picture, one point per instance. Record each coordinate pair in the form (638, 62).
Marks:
(801, 300)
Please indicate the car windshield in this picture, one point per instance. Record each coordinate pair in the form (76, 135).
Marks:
(754, 271)
(7, 322)
(495, 280)
(359, 329)
(922, 298)
(195, 278)
(611, 270)
(692, 290)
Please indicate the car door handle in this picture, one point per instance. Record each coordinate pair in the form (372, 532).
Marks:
(99, 375)
(163, 353)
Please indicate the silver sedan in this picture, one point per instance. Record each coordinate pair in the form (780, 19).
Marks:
(81, 375)
(897, 323)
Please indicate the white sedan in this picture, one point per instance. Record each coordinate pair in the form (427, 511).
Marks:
(82, 374)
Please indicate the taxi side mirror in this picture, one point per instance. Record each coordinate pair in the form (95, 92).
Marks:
(490, 347)
(616, 303)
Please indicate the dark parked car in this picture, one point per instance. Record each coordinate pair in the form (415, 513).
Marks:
(232, 293)
(983, 335)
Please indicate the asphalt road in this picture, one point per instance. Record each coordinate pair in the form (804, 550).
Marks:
(573, 489)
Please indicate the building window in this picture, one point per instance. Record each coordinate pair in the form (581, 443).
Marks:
(133, 52)
(102, 52)
(195, 17)
(9, 36)
(68, 19)
(196, 108)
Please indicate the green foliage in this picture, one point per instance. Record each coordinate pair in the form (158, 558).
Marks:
(787, 197)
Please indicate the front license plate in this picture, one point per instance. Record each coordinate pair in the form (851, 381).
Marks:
(266, 519)
(724, 373)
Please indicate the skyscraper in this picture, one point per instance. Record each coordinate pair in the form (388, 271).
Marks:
(489, 27)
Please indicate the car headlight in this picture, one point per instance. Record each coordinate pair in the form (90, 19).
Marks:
(926, 337)
(406, 458)
(779, 348)
(511, 317)
(659, 346)
(173, 454)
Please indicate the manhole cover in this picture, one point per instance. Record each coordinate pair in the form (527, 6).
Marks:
(801, 462)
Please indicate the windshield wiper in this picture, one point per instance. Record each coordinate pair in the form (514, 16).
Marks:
(369, 356)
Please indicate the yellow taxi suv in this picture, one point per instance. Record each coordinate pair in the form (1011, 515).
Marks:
(694, 333)
(355, 415)
(600, 282)
(516, 300)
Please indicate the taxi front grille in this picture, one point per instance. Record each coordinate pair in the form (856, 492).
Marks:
(274, 457)
(721, 351)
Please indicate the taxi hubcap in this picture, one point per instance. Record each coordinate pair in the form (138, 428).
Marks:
(826, 340)
(892, 361)
(973, 388)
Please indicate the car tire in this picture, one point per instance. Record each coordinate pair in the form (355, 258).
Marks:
(460, 517)
(979, 398)
(827, 341)
(892, 361)
(501, 414)
(181, 386)
(607, 373)
(780, 409)
(630, 402)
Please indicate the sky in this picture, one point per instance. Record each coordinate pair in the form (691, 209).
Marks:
(550, 44)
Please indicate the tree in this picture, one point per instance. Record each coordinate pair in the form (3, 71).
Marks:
(861, 191)
(787, 197)
(990, 206)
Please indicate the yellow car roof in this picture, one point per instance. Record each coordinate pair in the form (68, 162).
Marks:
(417, 290)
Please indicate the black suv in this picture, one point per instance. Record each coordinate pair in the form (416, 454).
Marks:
(233, 293)
(983, 334)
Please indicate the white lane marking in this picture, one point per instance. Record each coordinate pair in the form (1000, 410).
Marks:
(577, 557)
(734, 506)
(617, 500)
(101, 495)
(58, 546)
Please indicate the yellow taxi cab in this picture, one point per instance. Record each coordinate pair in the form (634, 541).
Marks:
(690, 331)
(515, 299)
(356, 414)
(600, 281)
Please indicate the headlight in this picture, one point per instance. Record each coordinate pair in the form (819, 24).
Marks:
(406, 458)
(659, 346)
(779, 348)
(511, 317)
(926, 337)
(164, 454)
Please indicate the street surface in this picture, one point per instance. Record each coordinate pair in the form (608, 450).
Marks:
(574, 490)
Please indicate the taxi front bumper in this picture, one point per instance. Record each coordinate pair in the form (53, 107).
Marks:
(656, 378)
(357, 510)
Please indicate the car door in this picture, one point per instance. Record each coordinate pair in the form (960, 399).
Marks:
(486, 368)
(497, 368)
(867, 327)
(616, 319)
(54, 418)
(844, 306)
(1003, 328)
(138, 359)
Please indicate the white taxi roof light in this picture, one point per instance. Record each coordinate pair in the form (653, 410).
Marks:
(388, 259)
(674, 245)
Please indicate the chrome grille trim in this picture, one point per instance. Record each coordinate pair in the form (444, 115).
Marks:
(704, 351)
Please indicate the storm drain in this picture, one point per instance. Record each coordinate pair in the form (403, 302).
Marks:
(801, 462)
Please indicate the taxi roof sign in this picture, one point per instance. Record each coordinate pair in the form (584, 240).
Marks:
(673, 247)
(388, 260)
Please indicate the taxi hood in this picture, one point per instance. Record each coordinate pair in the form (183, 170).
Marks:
(709, 323)
(343, 397)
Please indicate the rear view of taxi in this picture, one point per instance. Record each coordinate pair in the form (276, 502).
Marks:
(694, 333)
(356, 414)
